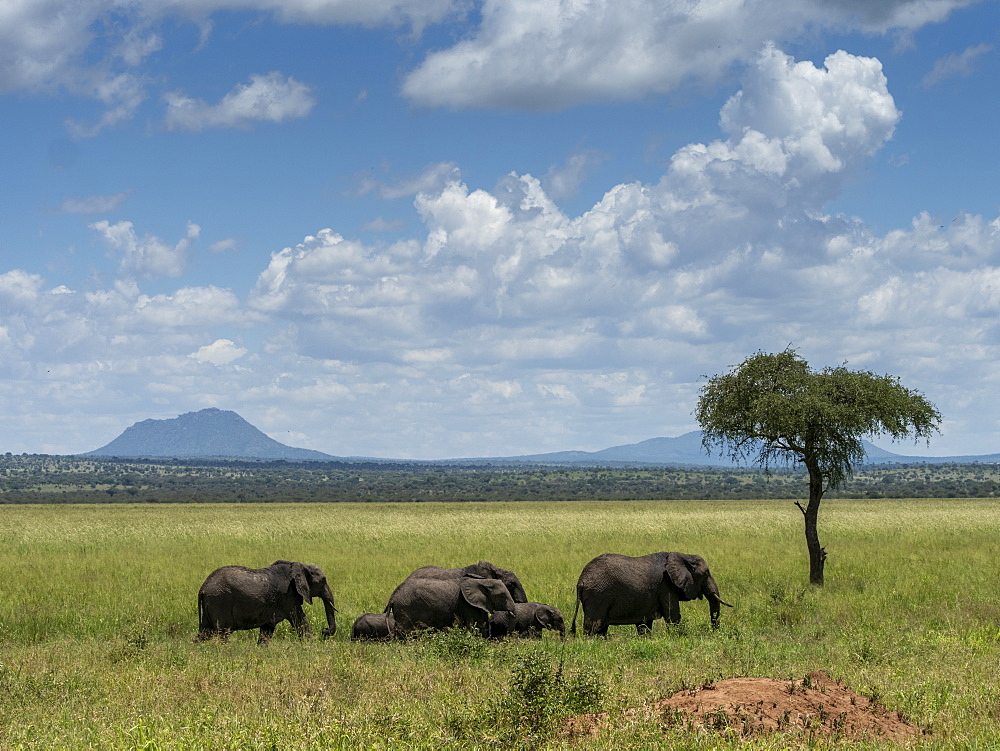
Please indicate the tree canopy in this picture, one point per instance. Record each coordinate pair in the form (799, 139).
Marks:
(774, 409)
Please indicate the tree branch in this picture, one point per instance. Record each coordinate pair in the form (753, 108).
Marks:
(800, 508)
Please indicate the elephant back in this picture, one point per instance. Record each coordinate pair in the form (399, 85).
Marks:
(482, 569)
(614, 571)
(234, 581)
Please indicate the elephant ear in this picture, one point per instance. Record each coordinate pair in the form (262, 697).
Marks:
(474, 593)
(499, 596)
(676, 569)
(301, 583)
(543, 617)
(487, 570)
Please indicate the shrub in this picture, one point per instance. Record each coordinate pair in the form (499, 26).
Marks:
(539, 695)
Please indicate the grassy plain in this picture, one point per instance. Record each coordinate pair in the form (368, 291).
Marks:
(98, 615)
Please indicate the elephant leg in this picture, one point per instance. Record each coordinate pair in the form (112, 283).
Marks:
(644, 627)
(299, 622)
(671, 610)
(207, 628)
(266, 632)
(594, 626)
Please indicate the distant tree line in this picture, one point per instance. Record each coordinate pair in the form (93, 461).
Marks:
(37, 478)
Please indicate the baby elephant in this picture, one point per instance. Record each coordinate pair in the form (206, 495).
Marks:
(373, 627)
(528, 619)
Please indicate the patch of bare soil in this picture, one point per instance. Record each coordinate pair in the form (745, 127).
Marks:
(816, 706)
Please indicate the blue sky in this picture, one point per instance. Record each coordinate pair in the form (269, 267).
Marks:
(450, 228)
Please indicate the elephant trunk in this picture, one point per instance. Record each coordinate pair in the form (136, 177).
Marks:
(331, 612)
(500, 624)
(714, 601)
(713, 609)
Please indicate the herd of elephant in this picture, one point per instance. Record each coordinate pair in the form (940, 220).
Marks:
(613, 590)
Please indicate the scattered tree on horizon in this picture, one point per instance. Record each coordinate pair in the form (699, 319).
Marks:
(774, 409)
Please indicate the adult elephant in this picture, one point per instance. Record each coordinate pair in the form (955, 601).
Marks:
(469, 601)
(235, 598)
(483, 570)
(620, 589)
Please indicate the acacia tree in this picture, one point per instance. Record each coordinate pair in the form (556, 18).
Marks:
(774, 409)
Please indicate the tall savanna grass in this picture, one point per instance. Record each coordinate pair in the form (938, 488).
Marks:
(98, 616)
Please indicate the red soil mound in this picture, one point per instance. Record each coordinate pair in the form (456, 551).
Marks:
(815, 706)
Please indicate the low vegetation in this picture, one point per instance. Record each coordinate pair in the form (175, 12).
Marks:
(32, 478)
(98, 617)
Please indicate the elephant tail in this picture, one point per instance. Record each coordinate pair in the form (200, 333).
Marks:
(572, 627)
(202, 626)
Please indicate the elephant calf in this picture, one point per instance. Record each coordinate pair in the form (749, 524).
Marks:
(528, 619)
(235, 598)
(373, 627)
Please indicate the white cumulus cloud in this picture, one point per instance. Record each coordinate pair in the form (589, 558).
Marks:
(510, 54)
(46, 44)
(18, 289)
(510, 268)
(550, 55)
(188, 307)
(563, 182)
(148, 255)
(508, 300)
(273, 98)
(219, 352)
(509, 325)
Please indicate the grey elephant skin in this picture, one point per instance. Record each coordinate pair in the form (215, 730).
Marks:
(620, 589)
(483, 569)
(373, 627)
(235, 598)
(436, 604)
(530, 619)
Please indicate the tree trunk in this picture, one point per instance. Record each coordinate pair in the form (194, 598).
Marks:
(817, 555)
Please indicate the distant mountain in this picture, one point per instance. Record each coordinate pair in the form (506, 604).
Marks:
(224, 434)
(686, 449)
(209, 432)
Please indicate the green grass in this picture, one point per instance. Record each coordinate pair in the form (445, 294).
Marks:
(98, 615)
